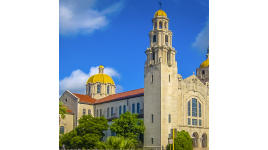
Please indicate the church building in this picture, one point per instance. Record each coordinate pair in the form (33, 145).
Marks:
(167, 101)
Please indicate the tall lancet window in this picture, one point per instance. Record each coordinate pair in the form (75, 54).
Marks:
(120, 110)
(168, 57)
(189, 108)
(133, 108)
(98, 88)
(138, 108)
(160, 25)
(155, 25)
(88, 89)
(108, 89)
(194, 107)
(199, 110)
(154, 38)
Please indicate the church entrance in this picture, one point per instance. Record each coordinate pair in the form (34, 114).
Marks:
(204, 140)
(195, 139)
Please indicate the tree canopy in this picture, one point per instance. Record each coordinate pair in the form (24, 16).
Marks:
(182, 142)
(62, 110)
(86, 134)
(128, 125)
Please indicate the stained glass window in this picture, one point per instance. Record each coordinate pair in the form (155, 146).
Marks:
(199, 110)
(189, 121)
(194, 121)
(194, 107)
(189, 109)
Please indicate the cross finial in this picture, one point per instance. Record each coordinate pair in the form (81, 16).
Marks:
(193, 72)
(160, 4)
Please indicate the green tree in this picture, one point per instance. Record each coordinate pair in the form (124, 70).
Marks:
(128, 126)
(86, 134)
(62, 111)
(182, 142)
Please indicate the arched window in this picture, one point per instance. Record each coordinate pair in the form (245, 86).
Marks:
(61, 129)
(199, 110)
(89, 90)
(189, 109)
(154, 38)
(203, 72)
(107, 112)
(97, 113)
(165, 25)
(120, 107)
(194, 107)
(89, 112)
(153, 55)
(84, 112)
(138, 108)
(124, 111)
(133, 108)
(112, 111)
(152, 118)
(155, 25)
(98, 88)
(108, 89)
(160, 25)
(100, 112)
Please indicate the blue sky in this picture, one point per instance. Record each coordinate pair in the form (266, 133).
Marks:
(115, 34)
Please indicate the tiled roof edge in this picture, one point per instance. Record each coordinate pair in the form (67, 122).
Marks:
(120, 98)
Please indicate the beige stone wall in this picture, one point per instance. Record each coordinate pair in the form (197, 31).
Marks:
(67, 123)
(72, 103)
(82, 106)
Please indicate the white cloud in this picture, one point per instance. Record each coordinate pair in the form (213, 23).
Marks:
(81, 16)
(202, 39)
(77, 80)
(119, 89)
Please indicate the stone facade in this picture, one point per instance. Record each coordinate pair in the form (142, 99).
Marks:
(168, 100)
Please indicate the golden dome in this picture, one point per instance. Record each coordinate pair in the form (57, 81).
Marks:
(160, 13)
(100, 77)
(101, 66)
(204, 64)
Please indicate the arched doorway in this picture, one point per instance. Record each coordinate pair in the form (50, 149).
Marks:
(195, 139)
(204, 140)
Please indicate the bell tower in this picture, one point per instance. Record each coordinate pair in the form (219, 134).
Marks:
(160, 84)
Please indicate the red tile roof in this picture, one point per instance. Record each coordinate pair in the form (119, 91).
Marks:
(124, 95)
(68, 109)
(85, 98)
